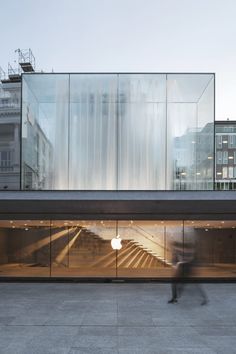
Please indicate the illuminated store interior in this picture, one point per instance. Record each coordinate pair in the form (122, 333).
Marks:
(82, 248)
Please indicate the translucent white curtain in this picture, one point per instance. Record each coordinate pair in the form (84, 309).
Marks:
(93, 132)
(142, 124)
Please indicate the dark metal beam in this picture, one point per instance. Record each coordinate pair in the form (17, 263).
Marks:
(118, 204)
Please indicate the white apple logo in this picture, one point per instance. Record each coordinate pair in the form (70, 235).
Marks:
(116, 243)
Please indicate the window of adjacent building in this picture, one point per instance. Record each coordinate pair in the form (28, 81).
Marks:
(5, 101)
(234, 156)
(232, 141)
(43, 148)
(5, 159)
(225, 157)
(7, 132)
(228, 129)
(234, 172)
(91, 105)
(219, 141)
(225, 172)
(219, 157)
(231, 172)
(105, 105)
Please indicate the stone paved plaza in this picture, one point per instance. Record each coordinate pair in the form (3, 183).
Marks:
(74, 318)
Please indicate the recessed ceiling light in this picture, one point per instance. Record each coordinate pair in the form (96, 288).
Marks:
(222, 222)
(11, 222)
(210, 157)
(225, 141)
(26, 229)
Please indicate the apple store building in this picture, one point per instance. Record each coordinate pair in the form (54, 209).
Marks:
(113, 169)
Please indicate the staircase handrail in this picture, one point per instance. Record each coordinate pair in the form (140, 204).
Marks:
(157, 243)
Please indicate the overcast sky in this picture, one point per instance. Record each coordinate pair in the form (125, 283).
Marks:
(127, 36)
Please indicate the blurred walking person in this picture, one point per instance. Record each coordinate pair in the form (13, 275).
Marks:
(183, 264)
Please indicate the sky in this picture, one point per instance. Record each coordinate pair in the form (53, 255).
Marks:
(127, 36)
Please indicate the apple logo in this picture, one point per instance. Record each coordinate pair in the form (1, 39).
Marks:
(116, 243)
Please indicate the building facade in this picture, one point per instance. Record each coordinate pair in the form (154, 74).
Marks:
(10, 109)
(225, 145)
(103, 155)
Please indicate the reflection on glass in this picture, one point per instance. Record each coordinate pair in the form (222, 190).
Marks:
(45, 106)
(25, 248)
(190, 132)
(215, 247)
(117, 131)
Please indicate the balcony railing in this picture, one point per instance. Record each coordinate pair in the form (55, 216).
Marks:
(9, 105)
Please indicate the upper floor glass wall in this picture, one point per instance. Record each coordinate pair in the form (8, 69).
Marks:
(117, 131)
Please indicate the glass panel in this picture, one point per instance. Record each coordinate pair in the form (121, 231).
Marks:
(190, 131)
(45, 111)
(181, 142)
(142, 129)
(215, 247)
(174, 238)
(25, 248)
(205, 140)
(147, 247)
(83, 248)
(93, 132)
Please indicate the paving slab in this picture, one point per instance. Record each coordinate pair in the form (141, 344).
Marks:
(129, 318)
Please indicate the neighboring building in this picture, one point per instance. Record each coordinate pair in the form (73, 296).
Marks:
(108, 154)
(10, 108)
(225, 159)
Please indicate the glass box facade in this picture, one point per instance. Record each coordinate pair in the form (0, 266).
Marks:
(117, 132)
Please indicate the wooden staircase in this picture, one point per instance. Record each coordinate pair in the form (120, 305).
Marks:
(91, 250)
